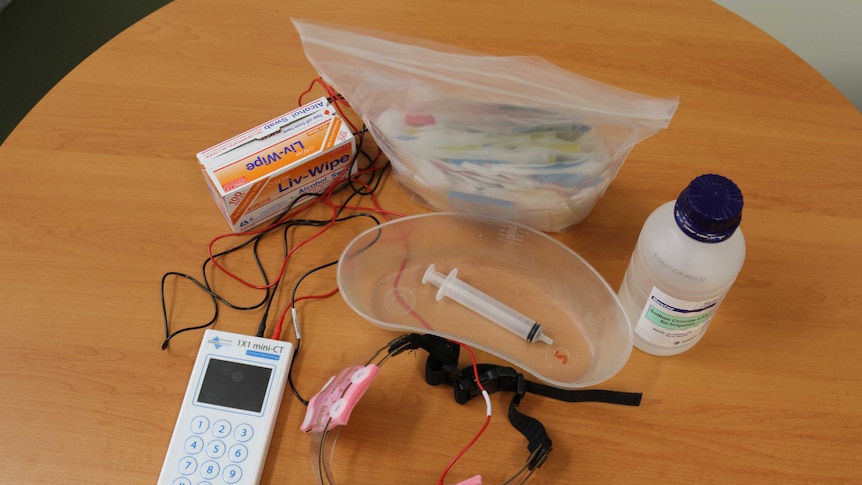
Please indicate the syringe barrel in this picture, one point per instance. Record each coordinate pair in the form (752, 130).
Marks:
(482, 303)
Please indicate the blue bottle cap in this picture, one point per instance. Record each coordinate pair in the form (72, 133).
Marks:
(709, 209)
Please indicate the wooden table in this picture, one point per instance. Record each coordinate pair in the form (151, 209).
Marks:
(103, 196)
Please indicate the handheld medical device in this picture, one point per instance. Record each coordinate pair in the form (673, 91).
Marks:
(228, 414)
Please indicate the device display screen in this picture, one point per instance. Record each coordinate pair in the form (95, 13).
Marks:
(234, 385)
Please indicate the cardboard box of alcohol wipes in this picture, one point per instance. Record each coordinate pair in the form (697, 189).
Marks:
(258, 174)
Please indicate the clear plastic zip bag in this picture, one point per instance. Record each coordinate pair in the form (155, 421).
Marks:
(512, 137)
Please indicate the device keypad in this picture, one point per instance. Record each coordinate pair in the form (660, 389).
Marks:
(215, 452)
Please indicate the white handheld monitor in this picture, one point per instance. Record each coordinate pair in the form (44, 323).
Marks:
(229, 411)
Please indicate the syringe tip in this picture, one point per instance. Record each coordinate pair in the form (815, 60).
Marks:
(546, 339)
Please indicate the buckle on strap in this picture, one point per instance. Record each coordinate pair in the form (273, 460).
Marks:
(493, 378)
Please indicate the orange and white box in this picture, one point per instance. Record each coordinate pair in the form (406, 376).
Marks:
(258, 174)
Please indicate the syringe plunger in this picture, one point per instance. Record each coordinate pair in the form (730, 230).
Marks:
(483, 304)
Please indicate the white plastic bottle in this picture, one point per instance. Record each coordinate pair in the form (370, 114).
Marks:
(688, 255)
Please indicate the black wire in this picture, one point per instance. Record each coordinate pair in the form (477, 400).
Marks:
(206, 287)
(293, 306)
(290, 376)
(375, 177)
(168, 335)
(302, 222)
(270, 292)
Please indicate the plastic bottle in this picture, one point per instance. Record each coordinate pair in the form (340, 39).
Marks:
(688, 255)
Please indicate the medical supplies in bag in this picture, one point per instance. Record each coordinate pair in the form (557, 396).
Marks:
(512, 137)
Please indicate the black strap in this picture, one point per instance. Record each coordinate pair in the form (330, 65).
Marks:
(441, 367)
(538, 441)
(586, 395)
(500, 378)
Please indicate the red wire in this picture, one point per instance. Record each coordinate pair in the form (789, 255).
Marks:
(484, 425)
(475, 375)
(290, 253)
(276, 332)
(302, 94)
(465, 449)
(333, 95)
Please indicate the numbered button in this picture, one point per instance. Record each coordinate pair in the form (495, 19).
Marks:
(238, 453)
(243, 433)
(221, 428)
(215, 449)
(209, 469)
(181, 481)
(188, 465)
(232, 474)
(194, 445)
(200, 424)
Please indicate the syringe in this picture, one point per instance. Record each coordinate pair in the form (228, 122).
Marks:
(490, 308)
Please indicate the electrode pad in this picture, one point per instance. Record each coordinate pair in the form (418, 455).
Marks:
(505, 269)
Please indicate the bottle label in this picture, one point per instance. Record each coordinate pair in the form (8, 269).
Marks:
(669, 322)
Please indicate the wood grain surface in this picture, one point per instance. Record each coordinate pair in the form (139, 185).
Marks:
(103, 195)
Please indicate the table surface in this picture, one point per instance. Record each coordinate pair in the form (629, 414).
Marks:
(104, 196)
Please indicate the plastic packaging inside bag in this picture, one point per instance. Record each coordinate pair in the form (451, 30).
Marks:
(513, 137)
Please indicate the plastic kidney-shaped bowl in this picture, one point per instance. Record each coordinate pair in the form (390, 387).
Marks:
(535, 278)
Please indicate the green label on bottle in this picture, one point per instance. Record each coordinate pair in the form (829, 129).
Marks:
(667, 321)
(676, 322)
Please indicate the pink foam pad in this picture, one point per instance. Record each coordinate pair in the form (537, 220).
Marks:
(331, 407)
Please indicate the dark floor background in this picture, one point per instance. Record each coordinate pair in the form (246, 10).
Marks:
(42, 40)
